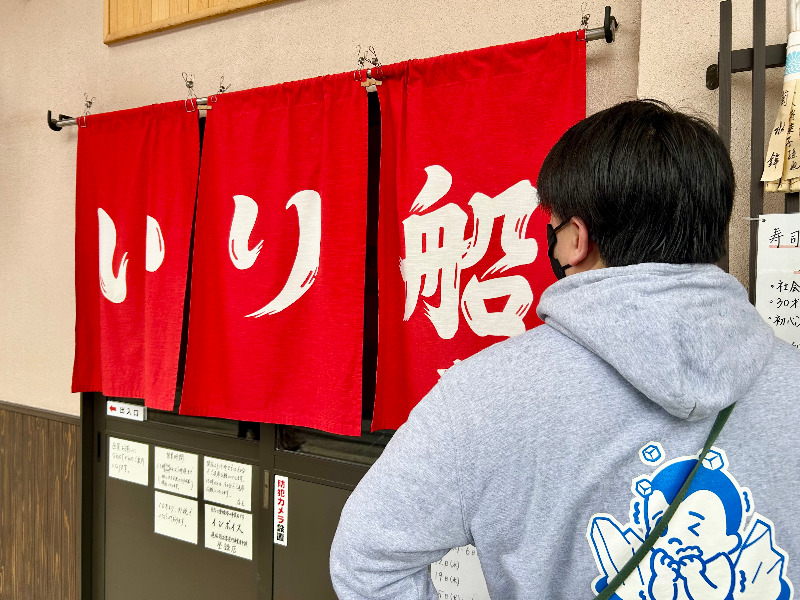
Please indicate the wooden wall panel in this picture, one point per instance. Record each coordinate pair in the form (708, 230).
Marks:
(178, 7)
(40, 501)
(22, 488)
(39, 511)
(70, 525)
(6, 531)
(125, 19)
(160, 10)
(145, 11)
(52, 521)
(127, 14)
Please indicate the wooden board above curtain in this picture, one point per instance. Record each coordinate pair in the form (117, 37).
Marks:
(125, 19)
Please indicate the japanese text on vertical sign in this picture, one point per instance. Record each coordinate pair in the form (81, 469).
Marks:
(281, 510)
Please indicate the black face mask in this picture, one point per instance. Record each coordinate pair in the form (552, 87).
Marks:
(558, 268)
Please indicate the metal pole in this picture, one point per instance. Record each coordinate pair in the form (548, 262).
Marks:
(757, 133)
(201, 102)
(598, 33)
(725, 48)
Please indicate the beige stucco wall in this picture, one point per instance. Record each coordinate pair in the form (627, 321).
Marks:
(679, 39)
(51, 52)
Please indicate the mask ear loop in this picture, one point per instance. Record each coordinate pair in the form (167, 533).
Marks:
(555, 230)
(562, 224)
(552, 240)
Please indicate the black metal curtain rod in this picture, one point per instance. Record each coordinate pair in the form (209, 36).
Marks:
(607, 32)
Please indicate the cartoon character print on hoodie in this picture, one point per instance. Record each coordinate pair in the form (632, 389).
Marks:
(716, 547)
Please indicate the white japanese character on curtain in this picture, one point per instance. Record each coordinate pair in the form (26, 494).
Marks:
(437, 252)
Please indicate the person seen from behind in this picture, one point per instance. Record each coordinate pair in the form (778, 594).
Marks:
(556, 452)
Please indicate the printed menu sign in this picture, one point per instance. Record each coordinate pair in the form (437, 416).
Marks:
(229, 531)
(176, 471)
(128, 461)
(176, 517)
(778, 274)
(226, 482)
(458, 575)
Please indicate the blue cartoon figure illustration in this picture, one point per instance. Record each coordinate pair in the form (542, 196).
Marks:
(715, 547)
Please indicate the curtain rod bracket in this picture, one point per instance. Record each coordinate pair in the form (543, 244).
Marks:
(53, 123)
(607, 32)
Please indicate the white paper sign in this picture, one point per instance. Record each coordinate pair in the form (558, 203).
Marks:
(128, 461)
(176, 471)
(281, 511)
(226, 482)
(176, 517)
(229, 531)
(458, 576)
(778, 275)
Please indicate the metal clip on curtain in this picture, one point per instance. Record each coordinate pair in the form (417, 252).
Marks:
(222, 89)
(370, 83)
(192, 102)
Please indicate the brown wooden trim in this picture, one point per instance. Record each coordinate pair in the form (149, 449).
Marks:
(106, 18)
(40, 412)
(177, 20)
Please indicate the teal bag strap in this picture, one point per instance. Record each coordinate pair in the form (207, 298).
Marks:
(634, 560)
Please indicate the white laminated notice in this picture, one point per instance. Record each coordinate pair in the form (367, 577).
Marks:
(226, 482)
(128, 461)
(176, 471)
(778, 274)
(229, 531)
(175, 517)
(458, 575)
(281, 510)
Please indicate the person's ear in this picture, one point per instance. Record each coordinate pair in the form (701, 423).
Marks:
(578, 243)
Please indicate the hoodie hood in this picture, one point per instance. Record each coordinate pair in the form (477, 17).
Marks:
(684, 335)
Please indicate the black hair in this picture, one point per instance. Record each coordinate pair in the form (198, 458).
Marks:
(651, 184)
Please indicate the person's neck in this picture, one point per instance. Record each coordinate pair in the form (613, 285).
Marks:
(590, 263)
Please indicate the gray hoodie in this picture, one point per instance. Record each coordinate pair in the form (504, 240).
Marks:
(555, 453)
